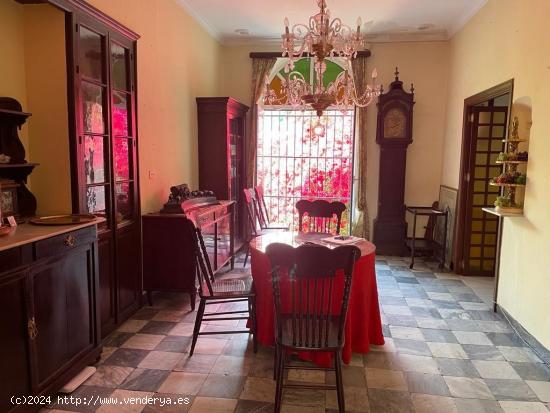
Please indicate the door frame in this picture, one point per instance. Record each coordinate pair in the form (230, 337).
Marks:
(465, 156)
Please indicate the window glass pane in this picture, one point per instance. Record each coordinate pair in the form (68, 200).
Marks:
(92, 108)
(499, 117)
(497, 145)
(475, 239)
(119, 64)
(94, 159)
(481, 173)
(483, 131)
(124, 200)
(475, 264)
(491, 226)
(479, 186)
(96, 200)
(90, 53)
(488, 265)
(490, 239)
(484, 117)
(477, 226)
(498, 132)
(479, 200)
(493, 158)
(482, 145)
(495, 171)
(120, 114)
(481, 159)
(475, 252)
(122, 157)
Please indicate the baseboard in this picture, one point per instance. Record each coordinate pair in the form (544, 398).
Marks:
(532, 342)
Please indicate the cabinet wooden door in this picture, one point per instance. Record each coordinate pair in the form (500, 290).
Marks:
(104, 155)
(63, 311)
(14, 359)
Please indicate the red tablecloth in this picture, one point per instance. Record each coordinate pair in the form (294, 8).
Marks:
(363, 324)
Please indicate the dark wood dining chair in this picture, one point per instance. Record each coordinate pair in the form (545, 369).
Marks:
(322, 216)
(258, 221)
(221, 291)
(262, 207)
(311, 304)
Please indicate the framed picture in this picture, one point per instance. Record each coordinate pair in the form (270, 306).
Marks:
(447, 202)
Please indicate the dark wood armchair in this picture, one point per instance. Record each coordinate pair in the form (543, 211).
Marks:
(322, 216)
(220, 291)
(311, 287)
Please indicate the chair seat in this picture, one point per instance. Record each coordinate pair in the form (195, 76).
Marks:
(230, 287)
(312, 334)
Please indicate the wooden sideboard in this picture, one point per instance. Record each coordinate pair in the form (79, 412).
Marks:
(168, 250)
(49, 319)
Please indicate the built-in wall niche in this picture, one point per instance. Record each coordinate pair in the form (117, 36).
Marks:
(514, 160)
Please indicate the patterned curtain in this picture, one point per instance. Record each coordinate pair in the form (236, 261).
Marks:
(260, 68)
(362, 225)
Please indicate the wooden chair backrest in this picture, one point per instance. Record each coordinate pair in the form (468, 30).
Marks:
(252, 210)
(311, 278)
(262, 207)
(205, 275)
(321, 215)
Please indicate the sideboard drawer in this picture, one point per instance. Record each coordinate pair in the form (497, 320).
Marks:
(65, 242)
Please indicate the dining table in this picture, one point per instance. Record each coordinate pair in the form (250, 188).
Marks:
(363, 326)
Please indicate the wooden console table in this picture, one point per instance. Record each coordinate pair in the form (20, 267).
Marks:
(168, 251)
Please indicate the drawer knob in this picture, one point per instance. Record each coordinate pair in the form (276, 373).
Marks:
(31, 328)
(70, 241)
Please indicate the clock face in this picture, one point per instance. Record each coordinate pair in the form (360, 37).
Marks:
(394, 124)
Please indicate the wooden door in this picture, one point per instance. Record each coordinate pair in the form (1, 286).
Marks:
(62, 306)
(104, 161)
(14, 359)
(487, 131)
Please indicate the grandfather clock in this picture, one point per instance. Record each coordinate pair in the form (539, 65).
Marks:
(394, 135)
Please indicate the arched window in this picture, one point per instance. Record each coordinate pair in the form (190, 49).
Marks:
(293, 163)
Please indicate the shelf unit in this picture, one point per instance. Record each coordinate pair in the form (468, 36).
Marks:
(510, 167)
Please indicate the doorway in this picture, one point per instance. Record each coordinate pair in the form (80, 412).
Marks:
(485, 127)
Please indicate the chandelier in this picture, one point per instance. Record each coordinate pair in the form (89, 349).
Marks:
(322, 38)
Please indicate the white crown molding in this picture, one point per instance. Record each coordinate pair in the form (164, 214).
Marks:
(200, 19)
(465, 18)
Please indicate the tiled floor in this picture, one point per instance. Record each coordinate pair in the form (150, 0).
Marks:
(445, 352)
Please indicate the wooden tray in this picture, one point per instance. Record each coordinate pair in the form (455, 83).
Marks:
(63, 219)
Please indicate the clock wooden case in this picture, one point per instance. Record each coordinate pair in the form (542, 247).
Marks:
(394, 135)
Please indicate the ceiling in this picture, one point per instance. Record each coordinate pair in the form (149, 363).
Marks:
(384, 20)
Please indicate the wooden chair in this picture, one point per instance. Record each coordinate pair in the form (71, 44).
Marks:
(258, 221)
(320, 215)
(309, 315)
(220, 291)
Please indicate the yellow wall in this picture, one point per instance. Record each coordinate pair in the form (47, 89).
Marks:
(46, 84)
(507, 40)
(177, 61)
(424, 64)
(12, 56)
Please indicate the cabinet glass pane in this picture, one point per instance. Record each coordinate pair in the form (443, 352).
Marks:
(120, 114)
(122, 157)
(90, 52)
(92, 108)
(94, 159)
(96, 200)
(119, 67)
(124, 200)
